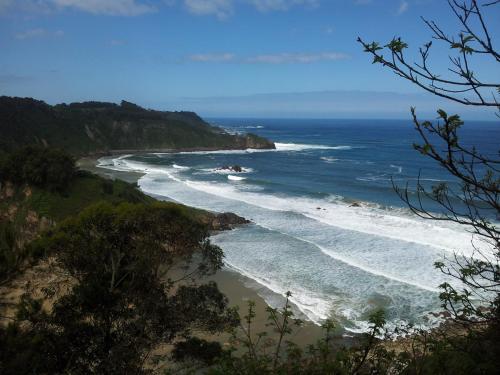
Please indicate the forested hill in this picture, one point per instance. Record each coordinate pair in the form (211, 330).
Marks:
(97, 127)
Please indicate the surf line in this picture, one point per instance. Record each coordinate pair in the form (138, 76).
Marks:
(349, 262)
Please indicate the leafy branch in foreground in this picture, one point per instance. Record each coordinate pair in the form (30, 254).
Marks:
(474, 205)
(462, 84)
(273, 352)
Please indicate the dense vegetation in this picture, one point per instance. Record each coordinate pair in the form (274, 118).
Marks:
(40, 187)
(93, 127)
(128, 267)
(49, 169)
(118, 301)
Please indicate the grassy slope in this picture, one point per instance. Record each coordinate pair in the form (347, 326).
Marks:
(30, 210)
(85, 190)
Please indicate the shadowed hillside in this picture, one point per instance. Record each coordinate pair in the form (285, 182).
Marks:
(95, 127)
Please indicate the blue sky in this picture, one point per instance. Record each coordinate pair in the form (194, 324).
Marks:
(213, 56)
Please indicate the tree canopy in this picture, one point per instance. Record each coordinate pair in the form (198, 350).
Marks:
(120, 300)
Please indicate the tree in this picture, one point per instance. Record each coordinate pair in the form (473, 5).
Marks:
(463, 85)
(47, 168)
(121, 298)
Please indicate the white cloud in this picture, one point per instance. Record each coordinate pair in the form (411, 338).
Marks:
(271, 5)
(107, 7)
(38, 33)
(98, 7)
(225, 8)
(219, 8)
(296, 58)
(280, 58)
(403, 7)
(212, 57)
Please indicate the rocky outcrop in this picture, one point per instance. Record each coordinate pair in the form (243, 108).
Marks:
(226, 221)
(254, 141)
(233, 168)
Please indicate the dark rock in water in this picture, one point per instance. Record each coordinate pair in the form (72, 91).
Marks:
(442, 314)
(445, 314)
(234, 168)
(355, 204)
(227, 221)
(318, 208)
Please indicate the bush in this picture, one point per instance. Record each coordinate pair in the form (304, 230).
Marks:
(199, 349)
(47, 168)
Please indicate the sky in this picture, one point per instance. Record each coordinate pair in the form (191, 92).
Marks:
(251, 58)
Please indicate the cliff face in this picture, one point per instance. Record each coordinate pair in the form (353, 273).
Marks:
(254, 141)
(96, 127)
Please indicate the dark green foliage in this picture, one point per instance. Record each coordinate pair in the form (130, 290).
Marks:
(81, 190)
(26, 352)
(122, 302)
(46, 168)
(202, 350)
(91, 127)
(9, 254)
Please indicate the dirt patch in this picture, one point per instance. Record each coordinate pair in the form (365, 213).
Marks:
(46, 281)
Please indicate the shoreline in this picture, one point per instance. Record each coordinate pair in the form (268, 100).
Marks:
(100, 154)
(233, 284)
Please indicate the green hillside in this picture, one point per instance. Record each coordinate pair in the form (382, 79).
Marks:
(95, 127)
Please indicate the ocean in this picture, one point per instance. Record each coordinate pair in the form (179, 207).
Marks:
(327, 224)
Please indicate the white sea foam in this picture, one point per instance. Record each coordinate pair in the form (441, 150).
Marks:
(372, 221)
(253, 127)
(329, 159)
(235, 178)
(315, 307)
(303, 147)
(398, 168)
(225, 171)
(321, 285)
(176, 166)
(119, 164)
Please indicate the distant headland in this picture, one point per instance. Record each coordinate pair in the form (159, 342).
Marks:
(91, 128)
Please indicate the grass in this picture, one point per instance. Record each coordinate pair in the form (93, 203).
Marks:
(86, 189)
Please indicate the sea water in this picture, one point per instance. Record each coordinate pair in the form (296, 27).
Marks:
(327, 224)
